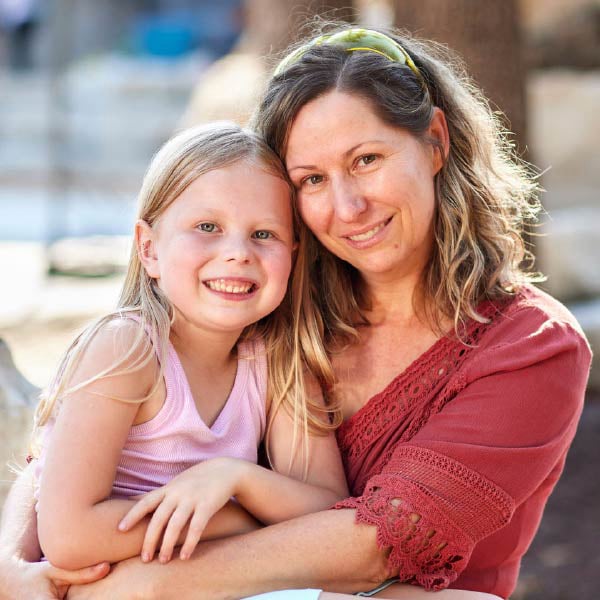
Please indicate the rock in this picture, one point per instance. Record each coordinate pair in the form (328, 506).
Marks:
(17, 401)
(588, 315)
(92, 256)
(569, 253)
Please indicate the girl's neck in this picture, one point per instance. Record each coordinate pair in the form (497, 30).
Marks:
(211, 349)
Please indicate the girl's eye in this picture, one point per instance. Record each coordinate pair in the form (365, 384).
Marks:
(207, 227)
(262, 235)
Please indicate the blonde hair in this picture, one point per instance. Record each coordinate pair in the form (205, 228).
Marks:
(485, 194)
(291, 333)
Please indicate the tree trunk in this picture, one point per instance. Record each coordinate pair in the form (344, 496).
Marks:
(486, 33)
(271, 25)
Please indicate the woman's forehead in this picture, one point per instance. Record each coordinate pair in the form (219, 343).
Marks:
(335, 123)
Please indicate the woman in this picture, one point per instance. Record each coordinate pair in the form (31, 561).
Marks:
(452, 372)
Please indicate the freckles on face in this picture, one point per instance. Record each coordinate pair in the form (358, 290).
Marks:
(365, 188)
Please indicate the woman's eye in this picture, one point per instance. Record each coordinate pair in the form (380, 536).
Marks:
(262, 235)
(207, 227)
(367, 159)
(313, 179)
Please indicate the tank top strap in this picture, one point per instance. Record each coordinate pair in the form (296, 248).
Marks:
(253, 353)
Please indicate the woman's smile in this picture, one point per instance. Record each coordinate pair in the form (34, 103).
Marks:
(369, 236)
(365, 188)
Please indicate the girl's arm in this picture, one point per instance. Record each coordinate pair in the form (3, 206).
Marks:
(76, 522)
(280, 494)
(270, 496)
(77, 525)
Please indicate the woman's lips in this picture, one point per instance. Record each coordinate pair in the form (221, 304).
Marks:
(368, 237)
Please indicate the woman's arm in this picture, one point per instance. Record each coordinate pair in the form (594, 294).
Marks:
(18, 531)
(20, 578)
(321, 550)
(325, 550)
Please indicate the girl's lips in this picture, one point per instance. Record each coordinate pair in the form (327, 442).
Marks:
(368, 237)
(231, 288)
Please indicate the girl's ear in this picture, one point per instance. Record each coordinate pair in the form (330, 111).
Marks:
(145, 243)
(438, 133)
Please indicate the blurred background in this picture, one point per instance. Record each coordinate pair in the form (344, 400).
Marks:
(90, 90)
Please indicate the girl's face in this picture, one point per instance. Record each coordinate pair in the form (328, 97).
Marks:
(365, 188)
(222, 251)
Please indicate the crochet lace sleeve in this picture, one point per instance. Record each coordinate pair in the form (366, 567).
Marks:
(430, 511)
(461, 476)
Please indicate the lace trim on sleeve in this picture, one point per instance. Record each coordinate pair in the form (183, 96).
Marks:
(430, 511)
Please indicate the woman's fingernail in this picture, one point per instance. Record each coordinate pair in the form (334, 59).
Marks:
(145, 557)
(122, 525)
(184, 556)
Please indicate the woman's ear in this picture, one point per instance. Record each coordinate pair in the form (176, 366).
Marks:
(145, 243)
(438, 134)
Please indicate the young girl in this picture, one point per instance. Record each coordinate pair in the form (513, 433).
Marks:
(207, 353)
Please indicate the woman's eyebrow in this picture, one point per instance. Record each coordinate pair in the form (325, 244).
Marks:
(345, 154)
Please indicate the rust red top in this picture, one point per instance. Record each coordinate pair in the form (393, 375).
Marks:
(472, 439)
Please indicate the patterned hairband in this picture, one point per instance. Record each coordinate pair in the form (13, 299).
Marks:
(352, 40)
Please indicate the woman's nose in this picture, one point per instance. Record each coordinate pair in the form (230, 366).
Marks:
(348, 200)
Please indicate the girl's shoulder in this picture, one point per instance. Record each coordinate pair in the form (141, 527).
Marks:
(117, 346)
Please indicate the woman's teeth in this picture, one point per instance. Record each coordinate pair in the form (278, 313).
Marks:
(231, 287)
(367, 234)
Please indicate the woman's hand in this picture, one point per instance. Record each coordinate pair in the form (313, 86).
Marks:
(192, 497)
(21, 580)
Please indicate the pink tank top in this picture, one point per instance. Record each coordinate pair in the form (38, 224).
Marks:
(177, 438)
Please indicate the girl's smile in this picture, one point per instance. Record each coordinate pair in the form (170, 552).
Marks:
(222, 251)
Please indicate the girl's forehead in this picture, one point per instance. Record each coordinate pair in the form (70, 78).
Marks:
(235, 188)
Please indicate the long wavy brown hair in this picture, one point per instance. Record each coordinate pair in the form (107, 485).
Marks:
(485, 194)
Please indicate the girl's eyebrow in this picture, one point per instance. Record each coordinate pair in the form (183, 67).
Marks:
(345, 154)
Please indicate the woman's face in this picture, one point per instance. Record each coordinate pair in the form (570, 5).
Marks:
(365, 188)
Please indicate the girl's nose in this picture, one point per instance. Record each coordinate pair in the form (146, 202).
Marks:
(348, 200)
(237, 249)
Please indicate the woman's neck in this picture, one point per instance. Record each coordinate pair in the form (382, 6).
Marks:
(397, 301)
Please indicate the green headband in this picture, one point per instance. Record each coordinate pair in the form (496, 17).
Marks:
(352, 40)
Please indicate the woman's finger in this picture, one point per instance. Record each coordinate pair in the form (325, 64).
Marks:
(176, 524)
(197, 525)
(143, 507)
(155, 528)
(79, 577)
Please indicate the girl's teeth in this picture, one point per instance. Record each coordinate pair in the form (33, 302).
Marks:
(220, 285)
(367, 234)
